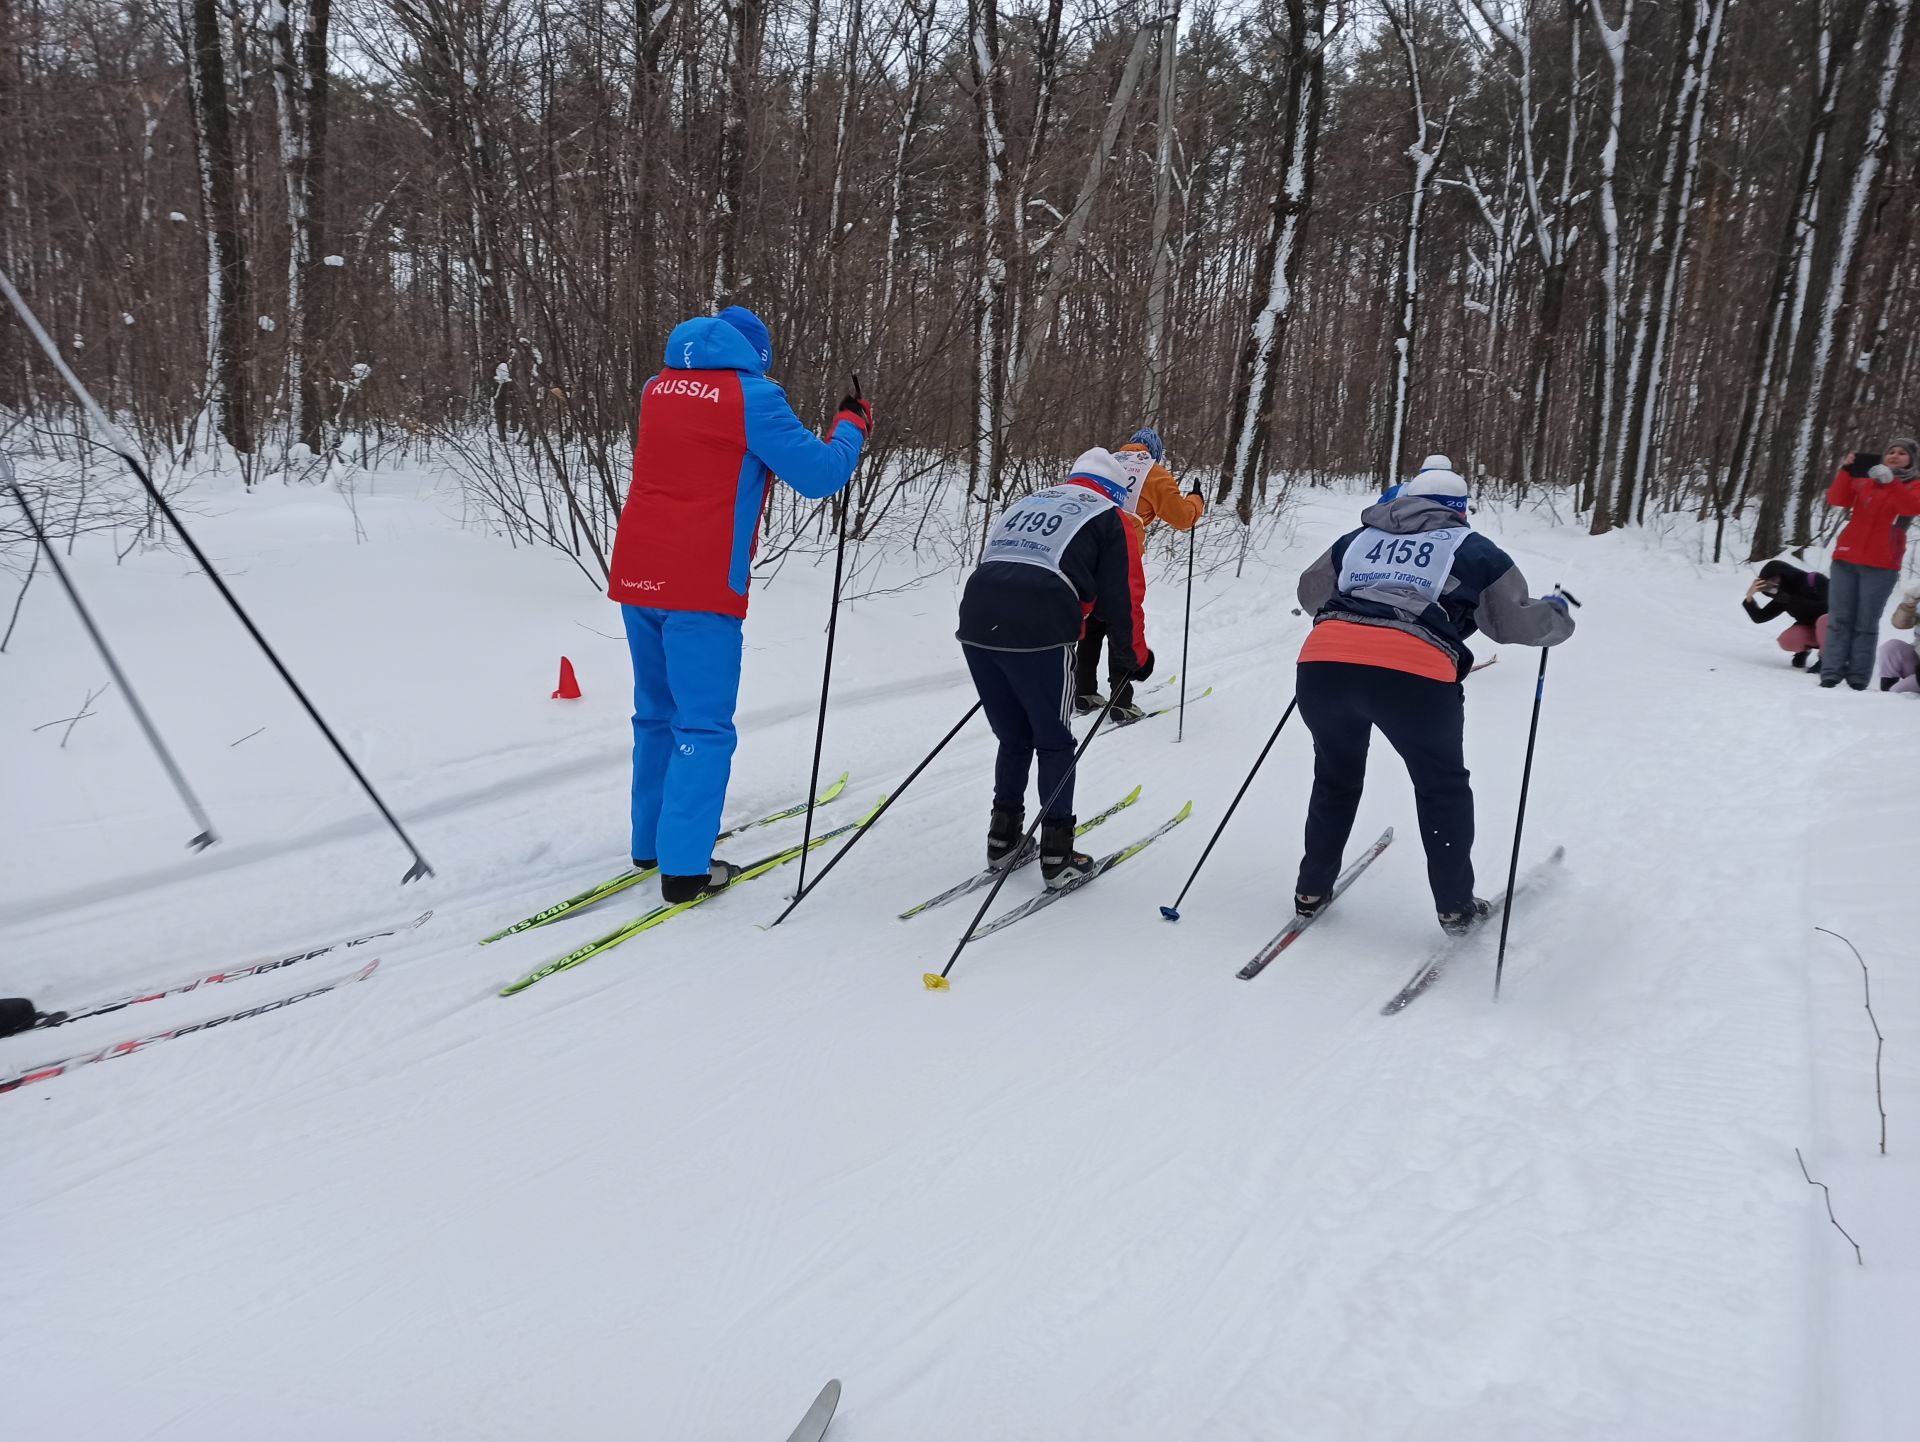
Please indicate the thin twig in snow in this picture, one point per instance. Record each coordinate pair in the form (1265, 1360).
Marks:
(248, 737)
(33, 569)
(1830, 1216)
(72, 721)
(1879, 1041)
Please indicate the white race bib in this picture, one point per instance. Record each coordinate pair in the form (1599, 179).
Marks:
(1134, 465)
(1408, 573)
(1035, 532)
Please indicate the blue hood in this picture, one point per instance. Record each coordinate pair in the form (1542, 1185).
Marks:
(707, 343)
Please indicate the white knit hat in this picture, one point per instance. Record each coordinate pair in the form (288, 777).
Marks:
(1436, 462)
(1099, 466)
(1439, 485)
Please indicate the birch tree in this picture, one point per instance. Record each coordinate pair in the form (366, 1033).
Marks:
(229, 295)
(990, 278)
(1311, 24)
(1158, 348)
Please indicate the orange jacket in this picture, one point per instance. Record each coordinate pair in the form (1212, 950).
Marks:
(1162, 500)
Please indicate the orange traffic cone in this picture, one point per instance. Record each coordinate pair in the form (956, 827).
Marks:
(569, 687)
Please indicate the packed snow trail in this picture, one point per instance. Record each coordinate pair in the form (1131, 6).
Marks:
(1101, 1190)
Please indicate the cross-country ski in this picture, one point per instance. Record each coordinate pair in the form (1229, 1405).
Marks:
(515, 465)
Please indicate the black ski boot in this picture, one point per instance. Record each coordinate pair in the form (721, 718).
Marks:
(1060, 864)
(1004, 832)
(17, 1014)
(649, 864)
(1308, 907)
(1126, 713)
(678, 890)
(1800, 660)
(1088, 702)
(1459, 923)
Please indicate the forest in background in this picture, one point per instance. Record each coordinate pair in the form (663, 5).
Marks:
(1645, 254)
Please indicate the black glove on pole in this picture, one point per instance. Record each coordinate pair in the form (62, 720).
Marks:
(868, 825)
(1520, 820)
(206, 837)
(939, 983)
(1172, 913)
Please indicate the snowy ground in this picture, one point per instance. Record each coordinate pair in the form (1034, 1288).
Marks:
(1101, 1190)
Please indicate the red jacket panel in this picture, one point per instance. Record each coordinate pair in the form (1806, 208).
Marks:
(1870, 537)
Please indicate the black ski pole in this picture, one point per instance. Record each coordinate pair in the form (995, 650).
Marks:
(939, 983)
(868, 825)
(206, 837)
(1186, 631)
(125, 449)
(1520, 820)
(1172, 913)
(826, 680)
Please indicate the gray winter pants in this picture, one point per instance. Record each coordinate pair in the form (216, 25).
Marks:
(1856, 600)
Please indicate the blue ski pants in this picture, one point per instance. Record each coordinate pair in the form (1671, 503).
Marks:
(1425, 721)
(686, 682)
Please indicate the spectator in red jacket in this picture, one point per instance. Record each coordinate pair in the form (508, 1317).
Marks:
(1880, 493)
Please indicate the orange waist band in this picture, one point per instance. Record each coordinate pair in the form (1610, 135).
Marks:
(1361, 645)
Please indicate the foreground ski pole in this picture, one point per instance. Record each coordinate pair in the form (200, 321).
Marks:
(826, 680)
(800, 893)
(1520, 820)
(1186, 630)
(118, 440)
(206, 837)
(939, 983)
(1172, 913)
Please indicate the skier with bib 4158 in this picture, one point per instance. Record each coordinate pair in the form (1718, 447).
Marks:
(1052, 560)
(713, 433)
(1393, 604)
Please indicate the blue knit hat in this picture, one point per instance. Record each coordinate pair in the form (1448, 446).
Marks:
(754, 329)
(1150, 438)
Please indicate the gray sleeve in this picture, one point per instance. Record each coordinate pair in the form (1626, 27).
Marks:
(1508, 615)
(1317, 584)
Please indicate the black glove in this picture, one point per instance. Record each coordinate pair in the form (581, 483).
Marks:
(1146, 668)
(852, 408)
(1861, 463)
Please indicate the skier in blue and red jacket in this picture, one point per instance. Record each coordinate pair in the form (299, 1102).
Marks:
(714, 431)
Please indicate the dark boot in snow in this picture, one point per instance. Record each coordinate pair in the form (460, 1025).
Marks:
(1004, 831)
(1459, 923)
(1800, 660)
(1307, 907)
(16, 1015)
(649, 864)
(1126, 715)
(1060, 864)
(1886, 683)
(678, 890)
(1088, 702)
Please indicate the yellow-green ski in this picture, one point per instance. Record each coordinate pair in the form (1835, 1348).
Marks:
(613, 886)
(666, 911)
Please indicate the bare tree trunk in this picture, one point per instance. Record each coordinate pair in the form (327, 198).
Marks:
(744, 22)
(1423, 159)
(1893, 32)
(990, 281)
(1066, 243)
(1613, 42)
(229, 302)
(1159, 346)
(1250, 418)
(909, 127)
(1646, 374)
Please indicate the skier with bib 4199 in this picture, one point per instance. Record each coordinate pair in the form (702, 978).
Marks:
(1393, 604)
(1051, 561)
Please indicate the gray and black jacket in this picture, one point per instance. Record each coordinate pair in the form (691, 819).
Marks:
(1484, 590)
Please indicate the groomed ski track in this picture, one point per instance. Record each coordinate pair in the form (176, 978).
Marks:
(1100, 1190)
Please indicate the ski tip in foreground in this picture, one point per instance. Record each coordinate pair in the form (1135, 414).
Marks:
(933, 981)
(1171, 913)
(813, 1426)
